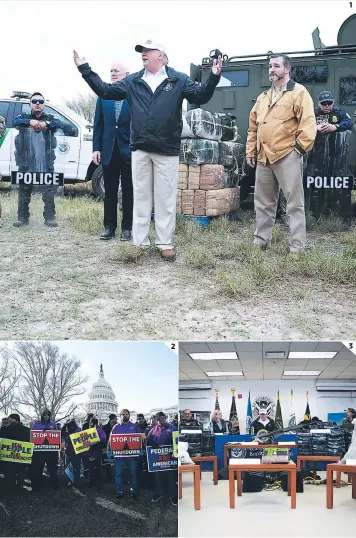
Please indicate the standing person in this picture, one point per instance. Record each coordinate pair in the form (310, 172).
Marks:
(263, 423)
(161, 435)
(94, 455)
(142, 424)
(71, 457)
(14, 473)
(282, 129)
(329, 156)
(126, 426)
(155, 95)
(109, 426)
(39, 459)
(35, 145)
(218, 424)
(111, 148)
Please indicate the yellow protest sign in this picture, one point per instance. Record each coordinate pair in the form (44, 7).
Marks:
(175, 436)
(82, 441)
(15, 451)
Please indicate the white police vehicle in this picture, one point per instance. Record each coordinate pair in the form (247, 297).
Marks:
(74, 143)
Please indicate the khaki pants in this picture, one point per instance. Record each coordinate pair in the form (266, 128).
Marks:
(154, 175)
(287, 174)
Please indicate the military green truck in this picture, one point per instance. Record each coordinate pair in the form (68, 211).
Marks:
(245, 77)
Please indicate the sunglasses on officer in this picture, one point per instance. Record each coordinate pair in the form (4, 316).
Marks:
(327, 103)
(37, 101)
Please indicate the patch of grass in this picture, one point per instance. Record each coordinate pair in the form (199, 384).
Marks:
(131, 255)
(83, 214)
(200, 258)
(236, 284)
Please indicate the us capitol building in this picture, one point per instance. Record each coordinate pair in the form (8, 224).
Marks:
(101, 399)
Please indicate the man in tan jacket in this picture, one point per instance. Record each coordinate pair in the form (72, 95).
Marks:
(282, 129)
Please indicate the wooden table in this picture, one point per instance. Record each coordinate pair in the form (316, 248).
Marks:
(195, 469)
(290, 467)
(338, 467)
(213, 460)
(246, 445)
(315, 459)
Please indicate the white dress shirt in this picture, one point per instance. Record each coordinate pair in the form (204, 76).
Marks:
(154, 80)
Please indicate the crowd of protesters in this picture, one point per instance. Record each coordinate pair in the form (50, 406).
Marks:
(96, 465)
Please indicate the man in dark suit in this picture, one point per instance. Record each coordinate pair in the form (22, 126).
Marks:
(111, 148)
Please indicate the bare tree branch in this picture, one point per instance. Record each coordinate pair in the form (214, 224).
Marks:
(9, 377)
(84, 105)
(50, 380)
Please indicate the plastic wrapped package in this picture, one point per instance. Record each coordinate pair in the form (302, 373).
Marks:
(208, 444)
(319, 443)
(194, 441)
(187, 202)
(229, 130)
(195, 151)
(231, 177)
(231, 154)
(221, 202)
(199, 203)
(179, 202)
(304, 444)
(212, 177)
(193, 177)
(183, 176)
(336, 443)
(204, 124)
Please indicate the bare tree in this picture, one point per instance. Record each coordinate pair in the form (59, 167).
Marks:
(84, 105)
(9, 377)
(50, 380)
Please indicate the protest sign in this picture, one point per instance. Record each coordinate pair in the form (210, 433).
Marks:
(82, 441)
(16, 451)
(161, 459)
(49, 440)
(69, 472)
(175, 436)
(126, 445)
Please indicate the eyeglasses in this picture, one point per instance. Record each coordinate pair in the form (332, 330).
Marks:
(37, 101)
(327, 103)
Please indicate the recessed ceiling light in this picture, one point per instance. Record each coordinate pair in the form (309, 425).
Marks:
(221, 374)
(302, 372)
(275, 354)
(312, 354)
(228, 356)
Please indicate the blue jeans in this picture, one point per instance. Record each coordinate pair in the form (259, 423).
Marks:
(120, 465)
(76, 464)
(166, 482)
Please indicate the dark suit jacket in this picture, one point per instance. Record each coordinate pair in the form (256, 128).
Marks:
(106, 130)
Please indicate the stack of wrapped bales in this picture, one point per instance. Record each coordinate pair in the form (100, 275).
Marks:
(210, 164)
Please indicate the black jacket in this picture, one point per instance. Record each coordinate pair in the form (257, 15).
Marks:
(16, 432)
(257, 426)
(156, 118)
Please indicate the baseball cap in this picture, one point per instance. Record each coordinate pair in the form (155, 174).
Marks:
(263, 411)
(153, 45)
(325, 95)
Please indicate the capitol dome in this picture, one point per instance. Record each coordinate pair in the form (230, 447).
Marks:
(101, 399)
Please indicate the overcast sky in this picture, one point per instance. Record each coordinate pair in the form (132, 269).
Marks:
(41, 59)
(143, 375)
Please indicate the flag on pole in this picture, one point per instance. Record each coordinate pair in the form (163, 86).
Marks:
(292, 421)
(217, 406)
(278, 418)
(233, 418)
(307, 410)
(248, 414)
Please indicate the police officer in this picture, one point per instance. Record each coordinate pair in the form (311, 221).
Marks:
(329, 156)
(35, 145)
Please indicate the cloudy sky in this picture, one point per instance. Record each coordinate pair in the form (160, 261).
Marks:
(38, 37)
(143, 375)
